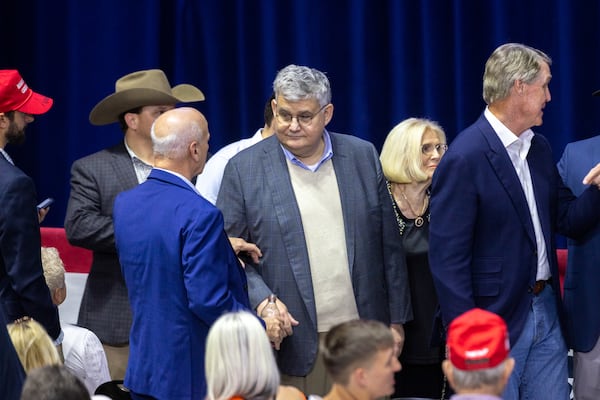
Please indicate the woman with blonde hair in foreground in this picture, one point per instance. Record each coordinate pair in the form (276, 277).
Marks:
(240, 364)
(32, 343)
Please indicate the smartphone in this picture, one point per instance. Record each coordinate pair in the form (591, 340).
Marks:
(46, 203)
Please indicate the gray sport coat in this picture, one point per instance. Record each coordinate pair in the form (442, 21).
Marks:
(95, 182)
(259, 205)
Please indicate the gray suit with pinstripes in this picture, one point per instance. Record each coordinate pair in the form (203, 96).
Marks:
(95, 182)
(258, 203)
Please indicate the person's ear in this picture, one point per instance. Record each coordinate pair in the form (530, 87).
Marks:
(328, 113)
(59, 295)
(519, 86)
(360, 377)
(194, 152)
(131, 119)
(274, 107)
(448, 371)
(509, 365)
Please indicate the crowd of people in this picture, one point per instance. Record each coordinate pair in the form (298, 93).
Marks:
(427, 270)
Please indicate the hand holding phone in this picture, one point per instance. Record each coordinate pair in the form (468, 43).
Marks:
(45, 204)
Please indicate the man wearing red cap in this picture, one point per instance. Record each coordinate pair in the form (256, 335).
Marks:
(478, 364)
(23, 290)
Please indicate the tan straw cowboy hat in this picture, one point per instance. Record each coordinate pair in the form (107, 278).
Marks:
(138, 89)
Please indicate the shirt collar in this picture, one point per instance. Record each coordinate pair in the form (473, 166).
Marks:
(507, 137)
(132, 154)
(5, 154)
(327, 154)
(183, 178)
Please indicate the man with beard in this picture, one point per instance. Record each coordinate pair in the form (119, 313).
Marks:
(23, 290)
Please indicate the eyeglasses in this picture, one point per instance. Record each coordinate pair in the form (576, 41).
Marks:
(428, 148)
(304, 119)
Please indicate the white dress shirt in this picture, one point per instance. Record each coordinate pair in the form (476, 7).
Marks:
(209, 181)
(84, 356)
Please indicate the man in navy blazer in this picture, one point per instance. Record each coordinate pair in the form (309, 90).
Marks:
(316, 204)
(180, 269)
(581, 294)
(497, 201)
(23, 290)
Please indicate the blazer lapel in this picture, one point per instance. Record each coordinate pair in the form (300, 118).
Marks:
(342, 164)
(123, 168)
(540, 187)
(502, 165)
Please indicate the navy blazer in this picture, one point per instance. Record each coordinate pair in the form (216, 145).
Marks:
(181, 275)
(581, 295)
(12, 375)
(23, 290)
(482, 243)
(259, 205)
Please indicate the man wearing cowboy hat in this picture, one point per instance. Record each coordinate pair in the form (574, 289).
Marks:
(139, 98)
(22, 286)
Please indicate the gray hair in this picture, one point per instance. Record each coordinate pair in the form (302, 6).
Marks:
(296, 82)
(239, 359)
(508, 63)
(477, 378)
(53, 382)
(174, 143)
(54, 269)
(352, 344)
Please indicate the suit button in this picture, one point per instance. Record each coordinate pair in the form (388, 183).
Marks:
(246, 288)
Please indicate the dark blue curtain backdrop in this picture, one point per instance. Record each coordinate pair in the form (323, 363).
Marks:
(387, 60)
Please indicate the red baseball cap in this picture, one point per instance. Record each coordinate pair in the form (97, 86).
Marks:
(15, 95)
(477, 339)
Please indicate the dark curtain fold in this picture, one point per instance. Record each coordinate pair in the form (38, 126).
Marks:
(387, 60)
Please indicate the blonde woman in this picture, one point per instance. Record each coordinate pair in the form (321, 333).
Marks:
(32, 343)
(409, 157)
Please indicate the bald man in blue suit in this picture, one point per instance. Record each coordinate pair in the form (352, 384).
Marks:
(179, 267)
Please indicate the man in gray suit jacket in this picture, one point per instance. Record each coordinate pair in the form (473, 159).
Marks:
(316, 204)
(139, 98)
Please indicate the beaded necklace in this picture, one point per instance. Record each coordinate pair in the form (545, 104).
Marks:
(401, 224)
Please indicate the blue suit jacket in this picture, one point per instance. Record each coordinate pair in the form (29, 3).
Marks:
(23, 290)
(181, 275)
(482, 243)
(582, 297)
(259, 205)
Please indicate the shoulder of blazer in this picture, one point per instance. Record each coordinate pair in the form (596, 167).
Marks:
(478, 136)
(117, 150)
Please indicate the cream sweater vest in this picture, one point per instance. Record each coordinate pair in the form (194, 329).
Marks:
(318, 199)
